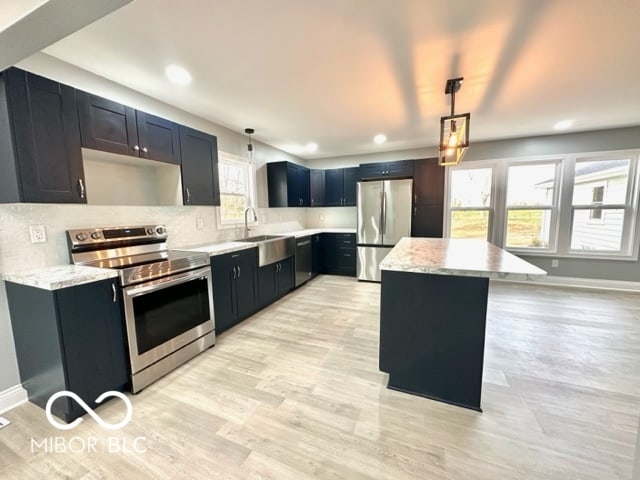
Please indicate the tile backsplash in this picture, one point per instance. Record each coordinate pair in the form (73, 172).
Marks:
(18, 253)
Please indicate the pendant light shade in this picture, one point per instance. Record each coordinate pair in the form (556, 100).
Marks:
(454, 129)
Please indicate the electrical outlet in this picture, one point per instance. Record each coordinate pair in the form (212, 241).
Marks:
(4, 422)
(37, 234)
(555, 262)
(199, 223)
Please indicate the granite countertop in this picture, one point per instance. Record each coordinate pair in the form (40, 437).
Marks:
(59, 276)
(220, 248)
(463, 257)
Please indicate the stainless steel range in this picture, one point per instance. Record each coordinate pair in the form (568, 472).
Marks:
(167, 295)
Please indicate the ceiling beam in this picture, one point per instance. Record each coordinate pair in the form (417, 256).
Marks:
(49, 23)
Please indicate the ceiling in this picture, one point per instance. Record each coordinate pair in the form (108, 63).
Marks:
(337, 72)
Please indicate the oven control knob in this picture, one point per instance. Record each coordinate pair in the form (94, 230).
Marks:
(160, 230)
(96, 235)
(82, 236)
(150, 231)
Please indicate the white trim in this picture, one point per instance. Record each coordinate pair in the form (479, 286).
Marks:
(576, 282)
(12, 397)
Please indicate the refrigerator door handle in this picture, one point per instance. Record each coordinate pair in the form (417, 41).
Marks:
(384, 213)
(381, 223)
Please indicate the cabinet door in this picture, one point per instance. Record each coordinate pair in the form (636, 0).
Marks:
(267, 284)
(316, 254)
(92, 331)
(159, 138)
(106, 125)
(47, 139)
(368, 171)
(401, 168)
(334, 187)
(285, 276)
(246, 263)
(329, 252)
(427, 221)
(428, 182)
(293, 190)
(277, 184)
(316, 188)
(224, 302)
(303, 186)
(350, 182)
(199, 153)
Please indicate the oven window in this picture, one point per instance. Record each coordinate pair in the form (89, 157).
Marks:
(164, 314)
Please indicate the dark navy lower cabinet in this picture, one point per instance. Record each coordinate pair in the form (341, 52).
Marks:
(69, 339)
(235, 287)
(339, 253)
(275, 280)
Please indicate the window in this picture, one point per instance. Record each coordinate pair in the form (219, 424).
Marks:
(470, 202)
(237, 180)
(573, 206)
(531, 205)
(597, 197)
(601, 206)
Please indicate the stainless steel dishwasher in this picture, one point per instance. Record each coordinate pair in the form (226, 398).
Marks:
(303, 260)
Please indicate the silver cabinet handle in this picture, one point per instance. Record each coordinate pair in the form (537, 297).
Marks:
(239, 271)
(81, 189)
(234, 272)
(136, 148)
(115, 295)
(186, 190)
(145, 149)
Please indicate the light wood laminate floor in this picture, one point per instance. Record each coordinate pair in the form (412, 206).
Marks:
(295, 392)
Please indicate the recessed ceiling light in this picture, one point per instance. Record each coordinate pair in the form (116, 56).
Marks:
(379, 139)
(312, 147)
(563, 125)
(178, 75)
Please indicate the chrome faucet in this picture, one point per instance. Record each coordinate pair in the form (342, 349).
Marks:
(246, 221)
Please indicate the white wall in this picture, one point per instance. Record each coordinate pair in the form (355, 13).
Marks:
(18, 254)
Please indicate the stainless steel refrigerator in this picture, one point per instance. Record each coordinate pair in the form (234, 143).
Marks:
(384, 217)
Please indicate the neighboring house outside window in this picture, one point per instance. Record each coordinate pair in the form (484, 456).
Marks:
(237, 188)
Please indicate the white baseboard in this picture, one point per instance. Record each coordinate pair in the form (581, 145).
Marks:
(575, 282)
(12, 397)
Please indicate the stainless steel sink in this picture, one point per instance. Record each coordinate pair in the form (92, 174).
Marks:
(272, 248)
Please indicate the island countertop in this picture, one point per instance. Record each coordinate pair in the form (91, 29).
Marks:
(457, 256)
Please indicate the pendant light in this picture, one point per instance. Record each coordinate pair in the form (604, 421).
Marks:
(249, 132)
(454, 129)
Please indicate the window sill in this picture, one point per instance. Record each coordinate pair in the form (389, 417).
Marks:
(579, 256)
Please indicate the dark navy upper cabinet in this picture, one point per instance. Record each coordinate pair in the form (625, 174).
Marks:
(39, 141)
(316, 188)
(288, 185)
(111, 127)
(69, 339)
(200, 179)
(350, 184)
(340, 186)
(399, 169)
(428, 198)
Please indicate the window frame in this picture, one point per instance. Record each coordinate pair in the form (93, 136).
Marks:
(563, 196)
(552, 248)
(479, 165)
(250, 178)
(629, 237)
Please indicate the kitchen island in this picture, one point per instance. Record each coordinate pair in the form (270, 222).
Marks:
(433, 314)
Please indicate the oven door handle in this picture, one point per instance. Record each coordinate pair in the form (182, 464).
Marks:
(146, 287)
